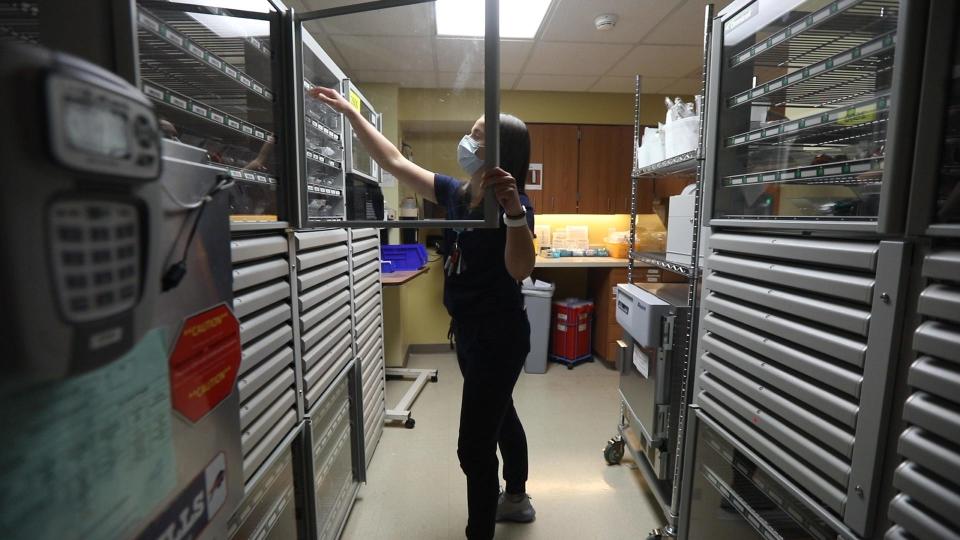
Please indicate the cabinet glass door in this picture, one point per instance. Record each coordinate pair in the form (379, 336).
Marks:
(211, 72)
(805, 95)
(948, 184)
(323, 162)
(424, 91)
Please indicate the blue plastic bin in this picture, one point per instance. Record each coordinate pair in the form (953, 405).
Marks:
(404, 256)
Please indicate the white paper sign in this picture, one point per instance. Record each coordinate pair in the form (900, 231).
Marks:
(641, 362)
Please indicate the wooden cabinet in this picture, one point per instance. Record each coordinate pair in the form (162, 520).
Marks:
(560, 167)
(602, 286)
(586, 169)
(606, 157)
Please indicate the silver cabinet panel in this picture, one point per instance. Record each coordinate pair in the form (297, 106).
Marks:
(339, 336)
(366, 257)
(260, 272)
(364, 245)
(942, 302)
(818, 367)
(836, 253)
(920, 446)
(255, 432)
(316, 276)
(308, 259)
(255, 326)
(248, 302)
(917, 520)
(256, 351)
(256, 378)
(318, 294)
(314, 239)
(364, 270)
(314, 394)
(845, 285)
(358, 234)
(253, 459)
(312, 337)
(259, 402)
(247, 249)
(313, 317)
(935, 376)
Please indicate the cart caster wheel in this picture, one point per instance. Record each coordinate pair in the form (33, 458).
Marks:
(613, 452)
(569, 366)
(410, 423)
(435, 378)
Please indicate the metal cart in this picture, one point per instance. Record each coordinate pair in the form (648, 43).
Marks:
(658, 450)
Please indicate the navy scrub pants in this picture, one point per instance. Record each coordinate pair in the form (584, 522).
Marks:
(491, 353)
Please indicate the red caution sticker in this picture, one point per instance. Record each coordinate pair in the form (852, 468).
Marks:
(205, 362)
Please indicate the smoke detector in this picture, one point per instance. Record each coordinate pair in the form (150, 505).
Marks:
(606, 21)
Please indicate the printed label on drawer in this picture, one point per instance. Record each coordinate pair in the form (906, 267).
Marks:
(641, 362)
(199, 110)
(153, 92)
(233, 123)
(178, 102)
(582, 327)
(149, 23)
(248, 130)
(217, 117)
(216, 62)
(195, 50)
(230, 71)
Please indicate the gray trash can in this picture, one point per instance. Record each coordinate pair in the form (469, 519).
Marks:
(537, 297)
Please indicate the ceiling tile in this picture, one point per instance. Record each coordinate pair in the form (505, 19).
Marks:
(659, 61)
(472, 80)
(459, 54)
(556, 83)
(572, 20)
(406, 79)
(412, 20)
(374, 53)
(574, 58)
(683, 86)
(684, 26)
(627, 85)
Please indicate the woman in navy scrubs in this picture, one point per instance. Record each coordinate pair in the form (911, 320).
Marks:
(482, 294)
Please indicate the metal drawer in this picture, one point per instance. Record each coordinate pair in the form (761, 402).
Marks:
(258, 325)
(318, 294)
(258, 402)
(848, 286)
(320, 331)
(255, 379)
(252, 354)
(326, 362)
(315, 239)
(337, 337)
(310, 259)
(255, 432)
(260, 298)
(357, 234)
(314, 316)
(770, 375)
(810, 307)
(314, 393)
(255, 458)
(848, 350)
(854, 255)
(364, 245)
(364, 270)
(253, 274)
(248, 249)
(315, 277)
(822, 369)
(365, 257)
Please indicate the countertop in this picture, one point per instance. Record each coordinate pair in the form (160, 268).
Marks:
(580, 262)
(402, 276)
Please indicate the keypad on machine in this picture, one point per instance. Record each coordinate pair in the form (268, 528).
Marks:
(96, 257)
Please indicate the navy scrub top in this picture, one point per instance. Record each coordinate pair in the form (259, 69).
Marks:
(483, 288)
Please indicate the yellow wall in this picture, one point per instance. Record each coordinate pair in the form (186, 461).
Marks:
(441, 107)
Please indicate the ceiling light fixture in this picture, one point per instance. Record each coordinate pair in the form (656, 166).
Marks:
(519, 19)
(606, 21)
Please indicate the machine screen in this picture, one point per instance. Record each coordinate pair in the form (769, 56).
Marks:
(96, 129)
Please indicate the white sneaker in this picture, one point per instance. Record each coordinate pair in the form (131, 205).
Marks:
(516, 508)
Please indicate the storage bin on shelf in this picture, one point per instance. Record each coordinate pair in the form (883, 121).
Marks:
(403, 257)
(572, 322)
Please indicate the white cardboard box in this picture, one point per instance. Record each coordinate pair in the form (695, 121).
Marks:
(680, 228)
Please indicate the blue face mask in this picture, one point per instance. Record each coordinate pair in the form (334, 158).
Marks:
(467, 155)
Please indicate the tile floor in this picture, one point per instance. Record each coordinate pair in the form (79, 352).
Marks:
(415, 489)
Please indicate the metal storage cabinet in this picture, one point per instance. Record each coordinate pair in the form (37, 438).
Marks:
(368, 333)
(269, 379)
(928, 479)
(272, 509)
(323, 193)
(219, 90)
(330, 453)
(323, 309)
(805, 275)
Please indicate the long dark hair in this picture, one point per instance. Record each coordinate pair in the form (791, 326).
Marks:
(514, 148)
